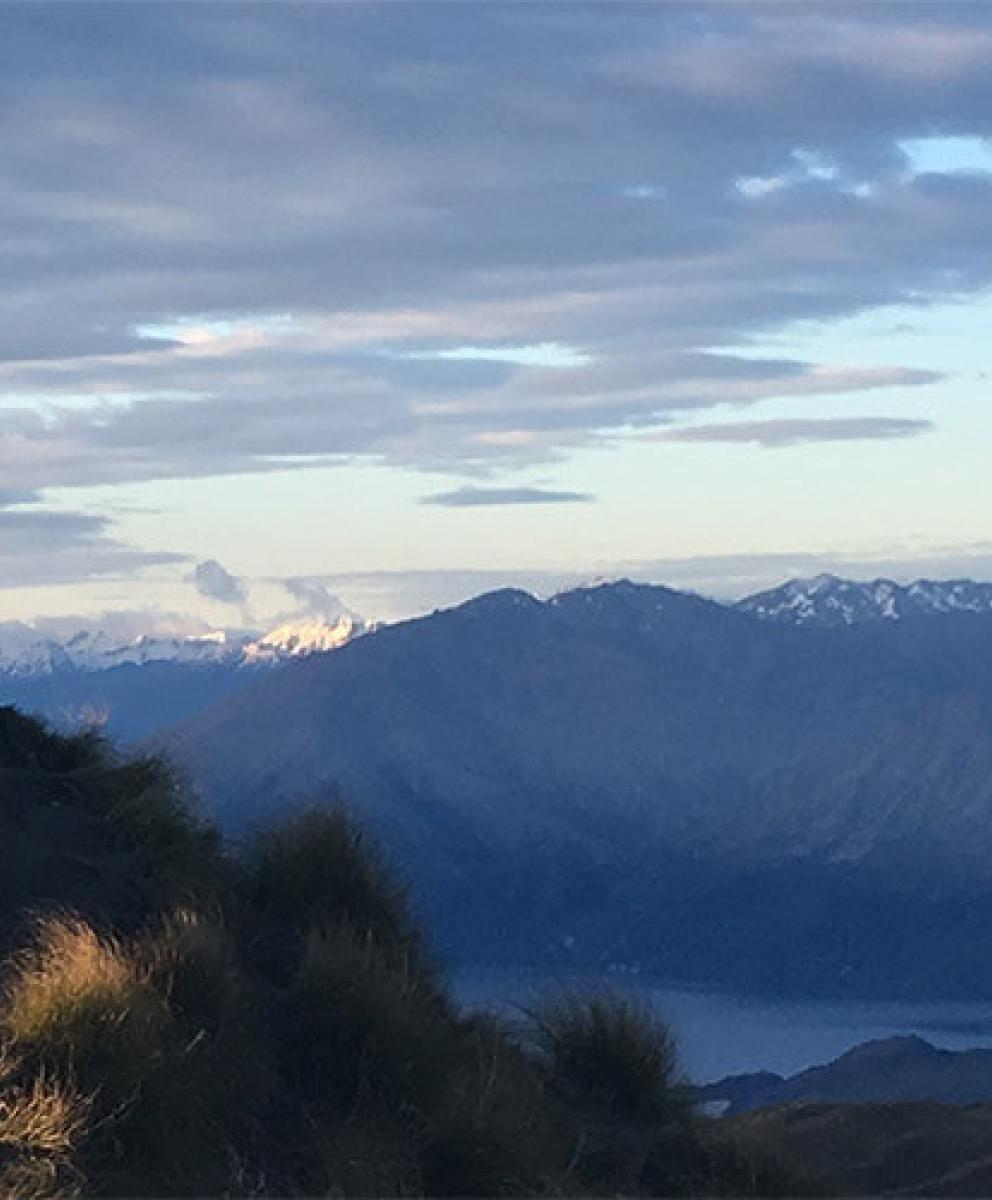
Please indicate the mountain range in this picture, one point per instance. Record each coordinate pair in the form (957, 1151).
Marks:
(828, 601)
(132, 686)
(629, 774)
(905, 1067)
(76, 678)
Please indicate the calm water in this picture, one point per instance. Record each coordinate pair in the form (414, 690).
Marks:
(722, 1034)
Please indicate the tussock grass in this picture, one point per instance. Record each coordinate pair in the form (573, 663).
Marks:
(40, 1124)
(143, 809)
(190, 959)
(367, 1029)
(76, 1006)
(317, 867)
(610, 1053)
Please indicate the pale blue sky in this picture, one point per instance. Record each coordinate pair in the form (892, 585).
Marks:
(420, 300)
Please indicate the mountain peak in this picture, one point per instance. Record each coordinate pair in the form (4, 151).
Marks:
(27, 652)
(827, 600)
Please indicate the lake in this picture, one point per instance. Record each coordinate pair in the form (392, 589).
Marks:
(724, 1034)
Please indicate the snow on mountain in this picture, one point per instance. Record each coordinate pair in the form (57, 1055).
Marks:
(295, 640)
(827, 600)
(26, 652)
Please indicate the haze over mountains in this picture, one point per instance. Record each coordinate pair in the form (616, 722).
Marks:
(628, 773)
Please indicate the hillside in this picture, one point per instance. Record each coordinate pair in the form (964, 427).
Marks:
(602, 756)
(908, 1149)
(179, 1018)
(885, 1069)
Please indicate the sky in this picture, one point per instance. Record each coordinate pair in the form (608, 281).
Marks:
(318, 307)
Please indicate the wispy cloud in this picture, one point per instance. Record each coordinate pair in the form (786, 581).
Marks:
(314, 598)
(41, 545)
(476, 497)
(798, 431)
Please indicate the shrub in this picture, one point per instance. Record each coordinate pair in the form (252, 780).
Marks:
(317, 868)
(190, 959)
(365, 1029)
(493, 1133)
(144, 809)
(612, 1071)
(26, 743)
(611, 1054)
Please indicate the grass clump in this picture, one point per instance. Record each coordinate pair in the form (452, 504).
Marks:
(367, 1030)
(317, 868)
(76, 1006)
(40, 1124)
(610, 1054)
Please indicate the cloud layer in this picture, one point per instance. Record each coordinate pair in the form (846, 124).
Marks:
(469, 240)
(226, 239)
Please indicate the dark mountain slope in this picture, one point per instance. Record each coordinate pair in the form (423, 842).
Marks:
(566, 773)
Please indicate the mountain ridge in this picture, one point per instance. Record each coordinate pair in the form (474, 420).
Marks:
(27, 651)
(830, 600)
(624, 749)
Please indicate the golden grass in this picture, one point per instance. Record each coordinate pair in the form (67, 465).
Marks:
(41, 1124)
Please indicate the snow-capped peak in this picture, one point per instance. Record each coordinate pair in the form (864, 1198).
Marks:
(828, 600)
(296, 639)
(27, 651)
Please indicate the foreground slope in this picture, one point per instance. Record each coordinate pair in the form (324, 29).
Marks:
(184, 1019)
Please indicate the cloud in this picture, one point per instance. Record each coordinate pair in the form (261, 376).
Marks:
(397, 595)
(213, 582)
(476, 497)
(124, 625)
(314, 599)
(800, 430)
(41, 546)
(134, 193)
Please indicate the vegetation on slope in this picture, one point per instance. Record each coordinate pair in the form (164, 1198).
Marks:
(180, 1019)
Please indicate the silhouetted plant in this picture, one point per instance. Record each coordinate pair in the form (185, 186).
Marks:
(366, 1029)
(316, 867)
(610, 1053)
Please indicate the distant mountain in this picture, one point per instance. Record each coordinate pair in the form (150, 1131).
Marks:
(829, 601)
(627, 773)
(25, 652)
(133, 687)
(894, 1068)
